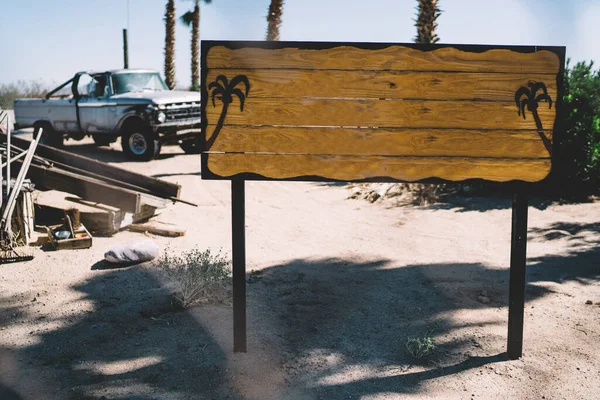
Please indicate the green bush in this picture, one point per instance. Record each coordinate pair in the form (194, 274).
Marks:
(419, 347)
(22, 89)
(578, 151)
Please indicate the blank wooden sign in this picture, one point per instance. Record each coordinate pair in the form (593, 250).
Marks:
(378, 112)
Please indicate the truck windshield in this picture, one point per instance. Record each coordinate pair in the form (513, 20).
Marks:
(137, 82)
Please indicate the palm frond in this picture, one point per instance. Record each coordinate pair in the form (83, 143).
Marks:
(537, 86)
(187, 18)
(524, 102)
(520, 93)
(218, 91)
(222, 78)
(241, 96)
(243, 79)
(215, 85)
(544, 97)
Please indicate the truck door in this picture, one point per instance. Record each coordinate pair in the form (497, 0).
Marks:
(96, 111)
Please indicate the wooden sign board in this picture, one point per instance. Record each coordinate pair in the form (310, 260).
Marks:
(379, 112)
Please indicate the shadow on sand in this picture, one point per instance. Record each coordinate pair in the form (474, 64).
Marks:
(132, 344)
(335, 314)
(330, 314)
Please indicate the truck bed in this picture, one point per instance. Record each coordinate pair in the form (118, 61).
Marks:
(60, 112)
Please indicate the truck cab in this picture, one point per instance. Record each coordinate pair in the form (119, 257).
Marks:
(134, 105)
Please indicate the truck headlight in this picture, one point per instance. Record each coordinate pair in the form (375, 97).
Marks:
(161, 117)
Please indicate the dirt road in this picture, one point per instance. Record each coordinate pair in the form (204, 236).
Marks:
(339, 285)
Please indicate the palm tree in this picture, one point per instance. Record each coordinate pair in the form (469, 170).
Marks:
(274, 19)
(192, 18)
(526, 96)
(224, 91)
(170, 44)
(428, 12)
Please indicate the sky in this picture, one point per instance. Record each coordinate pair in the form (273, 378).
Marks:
(49, 40)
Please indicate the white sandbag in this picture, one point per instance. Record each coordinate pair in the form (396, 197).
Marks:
(132, 252)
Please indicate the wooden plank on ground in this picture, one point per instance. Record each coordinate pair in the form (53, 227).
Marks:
(98, 218)
(157, 229)
(155, 186)
(87, 188)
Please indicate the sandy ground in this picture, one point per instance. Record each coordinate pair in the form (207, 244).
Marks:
(336, 286)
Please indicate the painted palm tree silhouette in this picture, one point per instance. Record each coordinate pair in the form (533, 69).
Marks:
(224, 90)
(527, 96)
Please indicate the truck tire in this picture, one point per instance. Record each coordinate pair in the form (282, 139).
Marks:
(140, 143)
(103, 140)
(191, 146)
(49, 136)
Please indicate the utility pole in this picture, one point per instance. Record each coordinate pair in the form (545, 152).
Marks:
(125, 45)
(125, 50)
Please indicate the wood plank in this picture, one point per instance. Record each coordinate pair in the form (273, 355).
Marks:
(380, 141)
(98, 218)
(154, 228)
(87, 188)
(394, 57)
(155, 186)
(381, 113)
(50, 206)
(103, 178)
(348, 168)
(295, 83)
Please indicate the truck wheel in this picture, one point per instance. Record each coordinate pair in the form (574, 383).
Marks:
(49, 136)
(103, 140)
(140, 144)
(191, 146)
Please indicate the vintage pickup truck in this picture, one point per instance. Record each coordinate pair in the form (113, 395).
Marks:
(133, 104)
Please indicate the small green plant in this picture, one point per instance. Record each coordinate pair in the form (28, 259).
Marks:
(420, 347)
(199, 277)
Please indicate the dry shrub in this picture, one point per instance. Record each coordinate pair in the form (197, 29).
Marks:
(373, 192)
(421, 194)
(22, 89)
(424, 194)
(199, 277)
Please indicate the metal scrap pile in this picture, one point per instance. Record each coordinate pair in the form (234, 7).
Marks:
(106, 198)
(125, 196)
(15, 192)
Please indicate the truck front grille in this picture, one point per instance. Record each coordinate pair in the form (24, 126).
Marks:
(178, 111)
